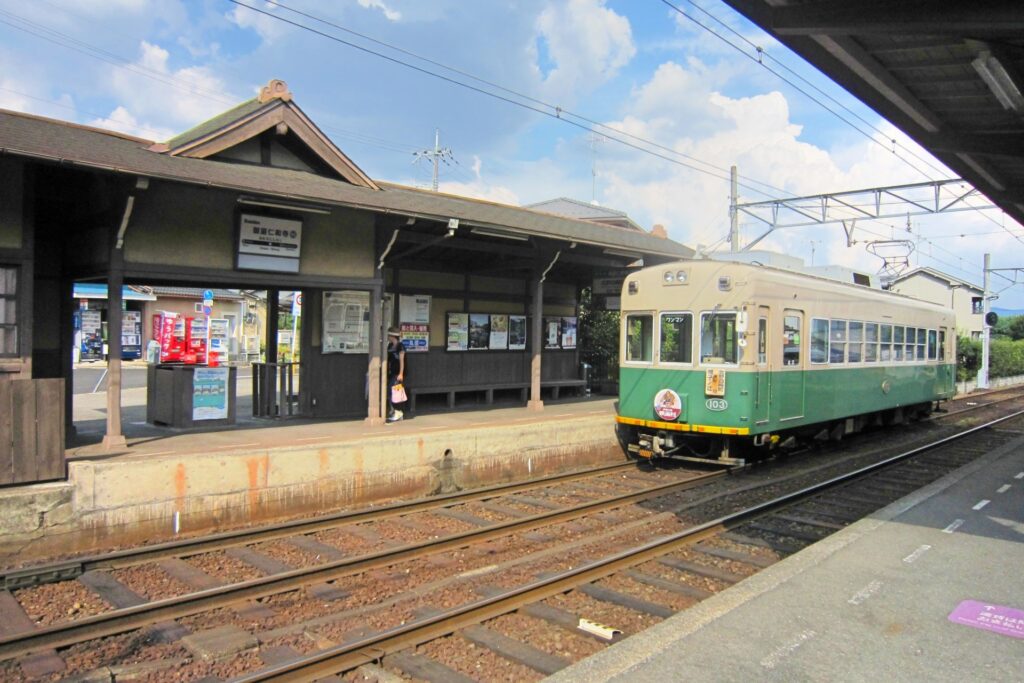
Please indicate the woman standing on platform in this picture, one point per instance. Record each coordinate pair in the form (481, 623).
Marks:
(396, 370)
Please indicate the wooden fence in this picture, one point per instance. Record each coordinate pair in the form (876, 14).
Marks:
(31, 430)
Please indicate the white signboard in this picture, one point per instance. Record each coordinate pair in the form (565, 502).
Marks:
(414, 308)
(269, 243)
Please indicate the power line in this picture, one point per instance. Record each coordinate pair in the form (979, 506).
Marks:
(761, 53)
(531, 103)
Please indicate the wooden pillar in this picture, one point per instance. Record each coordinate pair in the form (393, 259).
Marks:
(67, 364)
(376, 377)
(270, 378)
(536, 342)
(114, 438)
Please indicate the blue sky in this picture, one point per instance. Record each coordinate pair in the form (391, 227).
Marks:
(154, 68)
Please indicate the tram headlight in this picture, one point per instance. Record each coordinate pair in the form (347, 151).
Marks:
(681, 277)
(669, 276)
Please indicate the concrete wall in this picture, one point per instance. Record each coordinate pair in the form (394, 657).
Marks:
(128, 499)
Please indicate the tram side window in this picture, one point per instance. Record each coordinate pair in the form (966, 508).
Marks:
(886, 347)
(911, 342)
(897, 343)
(718, 338)
(855, 353)
(922, 337)
(837, 342)
(762, 341)
(870, 342)
(819, 340)
(639, 334)
(676, 338)
(942, 344)
(791, 340)
(933, 342)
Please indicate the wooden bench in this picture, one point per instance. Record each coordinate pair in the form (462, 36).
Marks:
(489, 389)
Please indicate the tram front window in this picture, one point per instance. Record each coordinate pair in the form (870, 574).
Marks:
(718, 338)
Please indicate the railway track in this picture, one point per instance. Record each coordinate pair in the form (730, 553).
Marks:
(784, 525)
(341, 591)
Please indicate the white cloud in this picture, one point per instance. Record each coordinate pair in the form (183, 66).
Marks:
(122, 121)
(170, 99)
(389, 14)
(586, 44)
(267, 27)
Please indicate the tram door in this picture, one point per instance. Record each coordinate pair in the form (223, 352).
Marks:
(788, 382)
(763, 391)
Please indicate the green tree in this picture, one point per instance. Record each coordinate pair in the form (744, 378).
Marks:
(968, 359)
(599, 340)
(1015, 327)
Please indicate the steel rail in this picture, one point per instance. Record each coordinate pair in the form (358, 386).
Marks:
(127, 619)
(370, 649)
(59, 571)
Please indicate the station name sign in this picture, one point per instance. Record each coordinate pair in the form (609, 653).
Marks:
(269, 243)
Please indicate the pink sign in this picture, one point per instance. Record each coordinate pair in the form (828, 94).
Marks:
(1005, 620)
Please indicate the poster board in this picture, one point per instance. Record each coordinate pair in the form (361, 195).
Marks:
(413, 308)
(458, 332)
(568, 333)
(479, 331)
(499, 333)
(552, 333)
(346, 322)
(210, 394)
(517, 333)
(415, 337)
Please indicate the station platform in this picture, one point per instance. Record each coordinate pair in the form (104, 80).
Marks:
(926, 589)
(167, 482)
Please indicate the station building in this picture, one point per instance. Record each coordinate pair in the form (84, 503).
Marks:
(259, 198)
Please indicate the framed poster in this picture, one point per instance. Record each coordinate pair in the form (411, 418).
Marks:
(569, 333)
(414, 308)
(479, 330)
(458, 331)
(552, 332)
(517, 332)
(415, 338)
(210, 394)
(499, 332)
(346, 322)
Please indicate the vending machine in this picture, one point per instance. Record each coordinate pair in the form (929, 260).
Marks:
(169, 333)
(195, 351)
(131, 335)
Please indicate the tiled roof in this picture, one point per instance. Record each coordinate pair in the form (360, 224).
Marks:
(47, 139)
(194, 293)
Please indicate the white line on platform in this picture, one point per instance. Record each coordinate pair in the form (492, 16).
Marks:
(912, 557)
(315, 438)
(1003, 489)
(981, 504)
(235, 445)
(155, 453)
(953, 527)
(1020, 475)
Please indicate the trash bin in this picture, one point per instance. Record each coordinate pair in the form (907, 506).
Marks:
(585, 372)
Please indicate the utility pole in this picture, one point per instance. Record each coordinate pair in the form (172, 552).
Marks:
(436, 155)
(734, 218)
(985, 329)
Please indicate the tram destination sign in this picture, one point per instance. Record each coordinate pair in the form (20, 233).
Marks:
(269, 243)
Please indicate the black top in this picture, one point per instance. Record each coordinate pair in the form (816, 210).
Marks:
(395, 350)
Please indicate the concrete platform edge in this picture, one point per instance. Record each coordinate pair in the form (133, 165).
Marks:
(633, 652)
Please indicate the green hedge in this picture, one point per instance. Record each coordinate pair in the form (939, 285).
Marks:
(1006, 358)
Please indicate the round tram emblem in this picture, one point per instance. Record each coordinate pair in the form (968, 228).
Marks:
(667, 404)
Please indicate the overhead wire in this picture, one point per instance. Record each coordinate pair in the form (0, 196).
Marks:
(530, 103)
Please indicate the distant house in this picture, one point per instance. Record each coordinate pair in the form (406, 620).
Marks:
(573, 208)
(963, 297)
(244, 312)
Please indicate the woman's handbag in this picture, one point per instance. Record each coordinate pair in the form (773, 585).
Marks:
(398, 394)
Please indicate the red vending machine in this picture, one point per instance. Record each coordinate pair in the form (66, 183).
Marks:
(169, 332)
(195, 332)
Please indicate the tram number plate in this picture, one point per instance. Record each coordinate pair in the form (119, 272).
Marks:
(717, 404)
